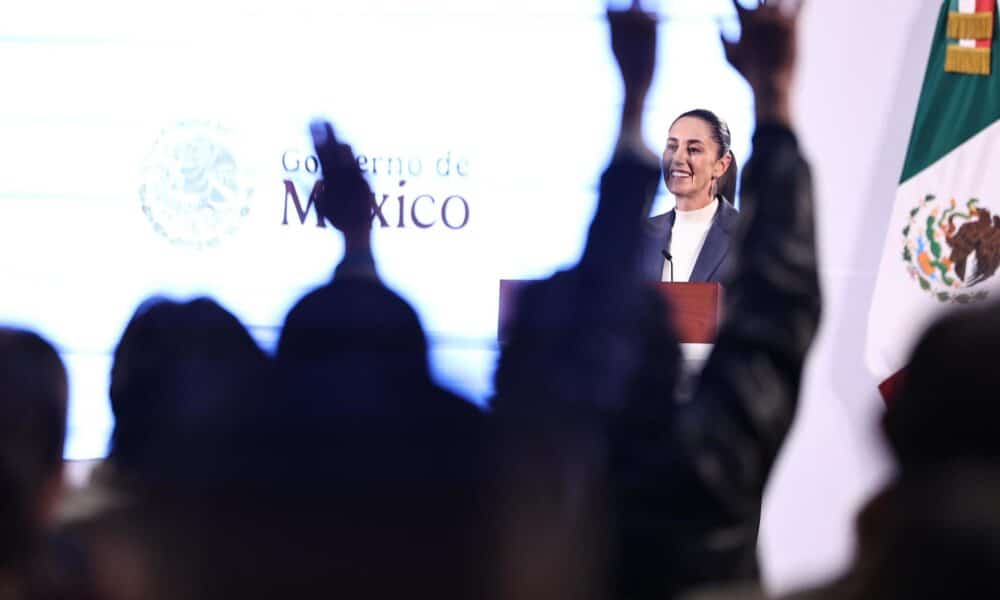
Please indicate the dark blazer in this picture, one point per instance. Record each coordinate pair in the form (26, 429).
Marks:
(709, 266)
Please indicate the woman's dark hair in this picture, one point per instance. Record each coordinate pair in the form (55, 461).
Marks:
(726, 186)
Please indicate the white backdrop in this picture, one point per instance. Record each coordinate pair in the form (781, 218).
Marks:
(483, 127)
(524, 92)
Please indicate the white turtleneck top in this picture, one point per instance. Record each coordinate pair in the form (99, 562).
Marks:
(688, 236)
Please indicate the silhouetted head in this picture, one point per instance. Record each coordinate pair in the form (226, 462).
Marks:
(556, 362)
(352, 347)
(698, 161)
(947, 406)
(585, 380)
(357, 399)
(33, 391)
(933, 535)
(186, 378)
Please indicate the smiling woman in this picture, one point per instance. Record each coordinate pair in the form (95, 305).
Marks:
(691, 242)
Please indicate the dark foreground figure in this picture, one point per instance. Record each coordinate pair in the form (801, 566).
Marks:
(676, 499)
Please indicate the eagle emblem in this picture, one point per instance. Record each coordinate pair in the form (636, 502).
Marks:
(950, 248)
(194, 190)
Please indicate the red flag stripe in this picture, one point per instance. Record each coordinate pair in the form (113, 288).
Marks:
(891, 387)
(985, 6)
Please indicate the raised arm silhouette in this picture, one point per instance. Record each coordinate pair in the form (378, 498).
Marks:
(589, 347)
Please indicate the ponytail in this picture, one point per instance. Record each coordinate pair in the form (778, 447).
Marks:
(726, 185)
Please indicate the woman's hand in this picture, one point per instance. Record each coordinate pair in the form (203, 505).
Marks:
(766, 53)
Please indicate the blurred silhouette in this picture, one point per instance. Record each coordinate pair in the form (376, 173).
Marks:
(353, 370)
(338, 468)
(590, 361)
(937, 535)
(189, 386)
(944, 411)
(33, 394)
(932, 531)
(930, 534)
(352, 473)
(399, 461)
(352, 358)
(187, 382)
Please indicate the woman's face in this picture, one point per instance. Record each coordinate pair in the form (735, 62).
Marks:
(691, 160)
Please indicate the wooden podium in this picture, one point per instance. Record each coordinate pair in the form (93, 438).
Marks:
(696, 308)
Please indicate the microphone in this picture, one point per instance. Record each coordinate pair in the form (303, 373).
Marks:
(670, 261)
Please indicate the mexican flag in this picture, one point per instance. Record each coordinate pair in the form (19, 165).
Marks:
(943, 245)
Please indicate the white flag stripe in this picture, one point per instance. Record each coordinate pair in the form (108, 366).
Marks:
(900, 308)
(967, 43)
(967, 6)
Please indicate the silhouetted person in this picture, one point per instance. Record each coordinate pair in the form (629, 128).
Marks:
(187, 382)
(352, 356)
(939, 536)
(188, 388)
(930, 534)
(397, 459)
(931, 531)
(33, 394)
(353, 474)
(945, 409)
(239, 489)
(684, 481)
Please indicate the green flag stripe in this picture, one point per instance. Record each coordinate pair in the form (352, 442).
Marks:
(953, 107)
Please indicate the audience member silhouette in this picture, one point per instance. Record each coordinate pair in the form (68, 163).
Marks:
(188, 391)
(355, 470)
(944, 411)
(941, 429)
(936, 535)
(350, 472)
(367, 429)
(352, 357)
(187, 384)
(931, 533)
(33, 394)
(685, 481)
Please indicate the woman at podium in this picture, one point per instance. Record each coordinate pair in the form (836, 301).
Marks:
(691, 242)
